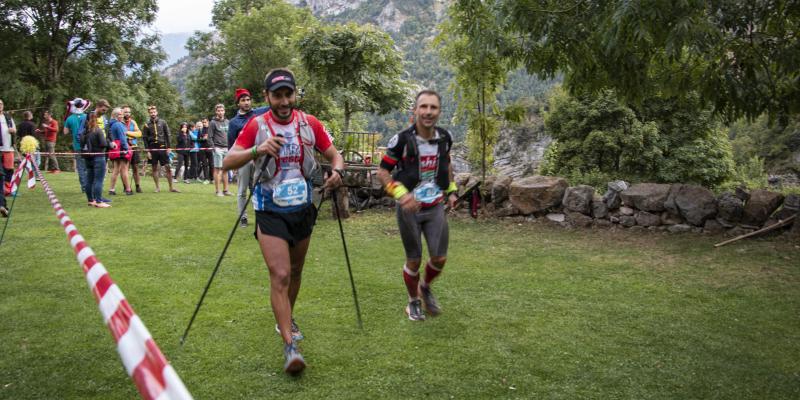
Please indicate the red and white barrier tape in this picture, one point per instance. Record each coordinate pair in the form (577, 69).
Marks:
(25, 164)
(138, 149)
(140, 355)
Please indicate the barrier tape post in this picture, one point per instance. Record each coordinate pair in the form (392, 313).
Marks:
(150, 371)
(14, 188)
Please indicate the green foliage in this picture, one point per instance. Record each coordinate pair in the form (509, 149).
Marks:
(357, 65)
(741, 56)
(776, 144)
(71, 49)
(468, 41)
(238, 58)
(600, 139)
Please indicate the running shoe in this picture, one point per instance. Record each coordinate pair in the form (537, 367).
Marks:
(4, 212)
(296, 334)
(414, 310)
(295, 363)
(129, 192)
(112, 192)
(243, 222)
(429, 300)
(102, 205)
(219, 194)
(227, 193)
(104, 200)
(138, 189)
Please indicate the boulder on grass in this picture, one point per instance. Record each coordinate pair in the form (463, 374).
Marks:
(537, 193)
(578, 219)
(579, 199)
(694, 203)
(729, 208)
(761, 205)
(500, 189)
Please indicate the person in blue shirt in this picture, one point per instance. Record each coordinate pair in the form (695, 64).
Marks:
(245, 103)
(118, 135)
(75, 125)
(194, 135)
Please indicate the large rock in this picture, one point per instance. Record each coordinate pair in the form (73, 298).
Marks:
(694, 203)
(599, 208)
(505, 210)
(668, 218)
(791, 205)
(612, 196)
(646, 196)
(500, 189)
(729, 208)
(579, 199)
(761, 205)
(486, 188)
(579, 220)
(537, 193)
(679, 228)
(713, 227)
(627, 220)
(645, 218)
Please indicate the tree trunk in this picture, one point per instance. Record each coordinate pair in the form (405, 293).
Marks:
(483, 134)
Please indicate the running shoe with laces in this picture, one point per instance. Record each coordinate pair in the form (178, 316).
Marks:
(296, 334)
(295, 363)
(429, 300)
(414, 310)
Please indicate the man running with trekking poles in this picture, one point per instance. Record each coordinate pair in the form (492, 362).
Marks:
(422, 182)
(285, 215)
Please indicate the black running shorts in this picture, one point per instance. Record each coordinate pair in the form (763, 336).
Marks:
(160, 157)
(291, 227)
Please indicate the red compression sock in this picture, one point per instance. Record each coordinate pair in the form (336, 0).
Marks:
(411, 279)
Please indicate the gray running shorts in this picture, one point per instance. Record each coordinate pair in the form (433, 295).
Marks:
(430, 222)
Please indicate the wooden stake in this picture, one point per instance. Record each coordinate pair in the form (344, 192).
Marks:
(780, 223)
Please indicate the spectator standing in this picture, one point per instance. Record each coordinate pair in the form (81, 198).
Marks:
(28, 128)
(156, 137)
(218, 132)
(7, 130)
(49, 126)
(116, 133)
(206, 155)
(75, 125)
(94, 146)
(245, 103)
(133, 134)
(183, 143)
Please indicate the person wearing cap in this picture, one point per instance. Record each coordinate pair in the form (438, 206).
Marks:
(421, 185)
(75, 125)
(156, 137)
(283, 141)
(245, 173)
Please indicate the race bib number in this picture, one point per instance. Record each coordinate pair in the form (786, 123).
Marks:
(291, 192)
(427, 193)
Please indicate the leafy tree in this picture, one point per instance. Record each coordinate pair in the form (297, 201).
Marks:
(61, 48)
(246, 45)
(774, 145)
(469, 43)
(357, 65)
(740, 56)
(599, 138)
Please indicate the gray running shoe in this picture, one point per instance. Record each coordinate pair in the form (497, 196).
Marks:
(296, 334)
(295, 363)
(243, 222)
(429, 301)
(414, 310)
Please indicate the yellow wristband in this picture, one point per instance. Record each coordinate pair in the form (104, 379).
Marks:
(452, 188)
(396, 189)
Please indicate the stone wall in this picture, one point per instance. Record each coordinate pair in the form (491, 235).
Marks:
(652, 206)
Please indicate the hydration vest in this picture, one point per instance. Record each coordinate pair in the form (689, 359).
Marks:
(307, 161)
(407, 171)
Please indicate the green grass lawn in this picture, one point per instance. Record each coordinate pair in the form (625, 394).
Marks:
(530, 310)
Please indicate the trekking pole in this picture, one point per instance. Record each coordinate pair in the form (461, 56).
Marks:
(224, 250)
(8, 219)
(347, 258)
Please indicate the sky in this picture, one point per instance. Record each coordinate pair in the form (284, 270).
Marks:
(183, 15)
